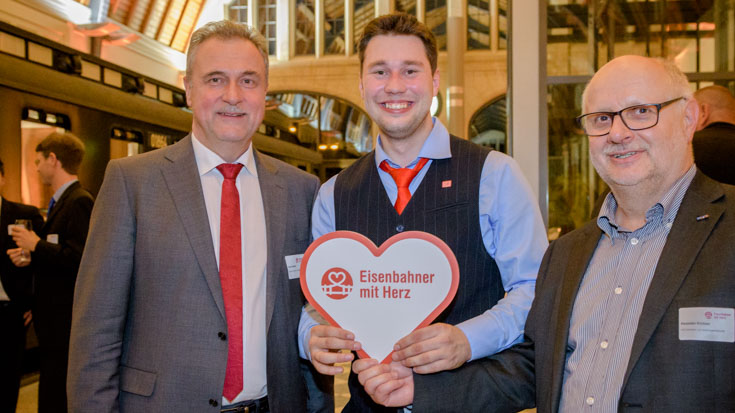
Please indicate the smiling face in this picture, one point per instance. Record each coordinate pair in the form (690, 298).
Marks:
(226, 92)
(397, 86)
(651, 159)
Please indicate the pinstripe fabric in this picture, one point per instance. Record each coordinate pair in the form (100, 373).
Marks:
(451, 213)
(609, 303)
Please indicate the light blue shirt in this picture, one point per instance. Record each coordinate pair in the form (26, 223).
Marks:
(512, 231)
(59, 192)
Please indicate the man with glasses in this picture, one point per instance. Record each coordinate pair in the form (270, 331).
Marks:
(633, 311)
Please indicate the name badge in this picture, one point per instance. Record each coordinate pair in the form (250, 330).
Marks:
(52, 238)
(293, 263)
(707, 324)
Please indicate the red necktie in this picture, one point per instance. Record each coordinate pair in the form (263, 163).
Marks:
(403, 178)
(230, 273)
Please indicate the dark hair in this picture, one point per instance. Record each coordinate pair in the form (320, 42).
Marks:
(69, 150)
(398, 24)
(2, 168)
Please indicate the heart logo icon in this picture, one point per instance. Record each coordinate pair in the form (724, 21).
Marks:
(383, 293)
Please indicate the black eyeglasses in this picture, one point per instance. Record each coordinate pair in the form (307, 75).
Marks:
(636, 117)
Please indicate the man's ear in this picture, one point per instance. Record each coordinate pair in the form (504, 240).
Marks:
(704, 112)
(435, 81)
(187, 89)
(691, 117)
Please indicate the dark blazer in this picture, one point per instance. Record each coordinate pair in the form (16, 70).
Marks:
(17, 284)
(16, 281)
(714, 151)
(664, 374)
(149, 329)
(55, 266)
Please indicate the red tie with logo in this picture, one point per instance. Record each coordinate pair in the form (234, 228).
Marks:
(403, 178)
(230, 273)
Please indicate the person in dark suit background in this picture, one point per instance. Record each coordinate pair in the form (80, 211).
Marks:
(714, 141)
(634, 311)
(56, 251)
(184, 301)
(15, 300)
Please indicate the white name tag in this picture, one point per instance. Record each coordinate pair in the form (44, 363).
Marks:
(52, 238)
(293, 263)
(707, 324)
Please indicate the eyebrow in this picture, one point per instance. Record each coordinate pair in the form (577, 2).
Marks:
(403, 63)
(223, 73)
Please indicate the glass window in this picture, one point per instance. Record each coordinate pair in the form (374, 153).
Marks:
(305, 25)
(436, 20)
(478, 24)
(267, 23)
(584, 35)
(488, 126)
(238, 11)
(364, 12)
(334, 27)
(331, 125)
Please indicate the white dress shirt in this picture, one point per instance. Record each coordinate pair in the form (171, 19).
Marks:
(254, 258)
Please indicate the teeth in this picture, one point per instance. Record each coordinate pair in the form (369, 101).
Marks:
(396, 105)
(625, 155)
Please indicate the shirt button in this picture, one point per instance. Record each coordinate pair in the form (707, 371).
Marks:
(222, 336)
(213, 402)
(590, 401)
(618, 290)
(603, 344)
(400, 228)
(668, 225)
(634, 241)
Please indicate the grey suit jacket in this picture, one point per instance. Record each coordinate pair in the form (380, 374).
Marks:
(149, 329)
(664, 374)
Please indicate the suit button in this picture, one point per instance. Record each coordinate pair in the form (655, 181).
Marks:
(222, 336)
(400, 228)
(213, 402)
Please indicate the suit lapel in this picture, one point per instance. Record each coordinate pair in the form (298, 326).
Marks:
(185, 187)
(273, 191)
(578, 260)
(682, 247)
(60, 203)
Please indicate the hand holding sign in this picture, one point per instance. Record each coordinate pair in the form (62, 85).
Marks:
(379, 294)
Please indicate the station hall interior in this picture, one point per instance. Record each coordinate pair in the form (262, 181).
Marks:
(512, 75)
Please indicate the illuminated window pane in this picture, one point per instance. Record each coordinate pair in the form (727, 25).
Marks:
(238, 11)
(478, 24)
(305, 25)
(488, 126)
(334, 26)
(267, 23)
(436, 20)
(364, 12)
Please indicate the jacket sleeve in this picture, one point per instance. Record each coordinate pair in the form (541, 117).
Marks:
(502, 383)
(101, 300)
(67, 253)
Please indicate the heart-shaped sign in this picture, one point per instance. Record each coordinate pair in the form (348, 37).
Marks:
(383, 293)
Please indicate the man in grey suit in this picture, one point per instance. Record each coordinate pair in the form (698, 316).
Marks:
(185, 301)
(634, 311)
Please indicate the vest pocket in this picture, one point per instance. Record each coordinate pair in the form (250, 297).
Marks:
(137, 381)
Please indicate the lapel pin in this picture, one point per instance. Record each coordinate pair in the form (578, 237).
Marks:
(447, 184)
(702, 217)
